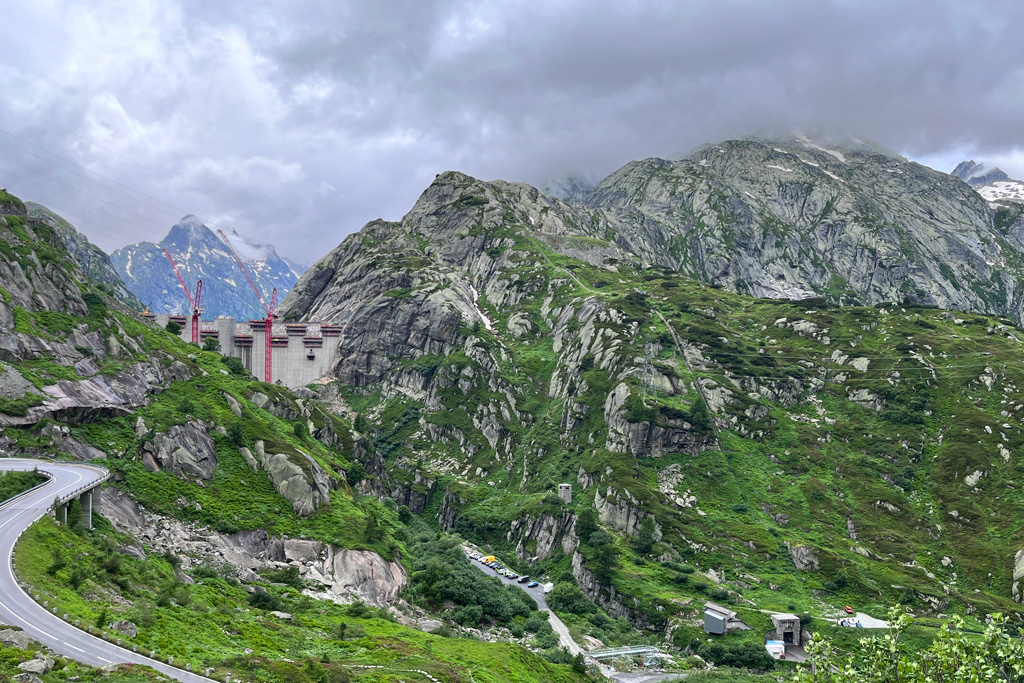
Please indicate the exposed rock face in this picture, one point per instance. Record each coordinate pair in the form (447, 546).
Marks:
(187, 450)
(646, 438)
(619, 510)
(363, 575)
(306, 486)
(738, 192)
(337, 574)
(615, 604)
(538, 538)
(37, 284)
(84, 400)
(80, 451)
(123, 512)
(12, 384)
(803, 558)
(450, 505)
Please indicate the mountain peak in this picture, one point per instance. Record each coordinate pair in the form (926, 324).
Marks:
(188, 231)
(200, 253)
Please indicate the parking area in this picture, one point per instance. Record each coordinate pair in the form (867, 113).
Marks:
(496, 568)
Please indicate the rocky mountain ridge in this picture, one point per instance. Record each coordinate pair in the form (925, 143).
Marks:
(93, 260)
(499, 342)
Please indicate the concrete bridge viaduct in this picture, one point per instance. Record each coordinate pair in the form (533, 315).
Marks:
(88, 494)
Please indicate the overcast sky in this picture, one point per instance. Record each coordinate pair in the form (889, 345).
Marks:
(298, 121)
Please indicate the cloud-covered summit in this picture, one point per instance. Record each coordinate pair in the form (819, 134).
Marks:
(299, 123)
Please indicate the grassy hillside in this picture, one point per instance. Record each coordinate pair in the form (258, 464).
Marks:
(879, 444)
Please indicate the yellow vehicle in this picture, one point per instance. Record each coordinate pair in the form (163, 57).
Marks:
(490, 558)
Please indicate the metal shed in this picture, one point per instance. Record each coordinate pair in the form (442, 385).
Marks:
(716, 618)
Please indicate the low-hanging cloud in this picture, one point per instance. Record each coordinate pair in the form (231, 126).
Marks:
(306, 121)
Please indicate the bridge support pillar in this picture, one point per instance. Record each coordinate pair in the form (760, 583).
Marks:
(86, 500)
(62, 514)
(90, 501)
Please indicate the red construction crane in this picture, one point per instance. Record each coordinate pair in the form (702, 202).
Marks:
(194, 303)
(268, 345)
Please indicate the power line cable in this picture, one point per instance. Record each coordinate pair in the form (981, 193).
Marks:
(174, 212)
(180, 184)
(75, 189)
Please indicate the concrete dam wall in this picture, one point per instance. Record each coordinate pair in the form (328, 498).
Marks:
(302, 352)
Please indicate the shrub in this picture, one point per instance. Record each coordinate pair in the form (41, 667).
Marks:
(355, 474)
(205, 571)
(173, 327)
(533, 624)
(234, 365)
(264, 600)
(469, 615)
(59, 562)
(566, 597)
(404, 514)
(643, 542)
(77, 578)
(286, 575)
(547, 640)
(94, 301)
(224, 526)
(739, 655)
(358, 610)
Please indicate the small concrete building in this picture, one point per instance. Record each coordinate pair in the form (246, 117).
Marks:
(565, 492)
(787, 628)
(717, 618)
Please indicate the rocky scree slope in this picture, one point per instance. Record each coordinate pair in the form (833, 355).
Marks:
(200, 253)
(498, 342)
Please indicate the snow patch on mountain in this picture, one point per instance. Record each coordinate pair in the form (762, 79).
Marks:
(995, 185)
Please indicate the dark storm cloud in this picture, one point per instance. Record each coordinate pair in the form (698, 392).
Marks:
(298, 122)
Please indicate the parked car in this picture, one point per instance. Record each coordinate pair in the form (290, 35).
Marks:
(532, 584)
(524, 579)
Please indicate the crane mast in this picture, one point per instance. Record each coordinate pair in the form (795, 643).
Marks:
(268, 361)
(193, 303)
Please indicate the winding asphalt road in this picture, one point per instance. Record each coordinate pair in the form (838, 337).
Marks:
(18, 609)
